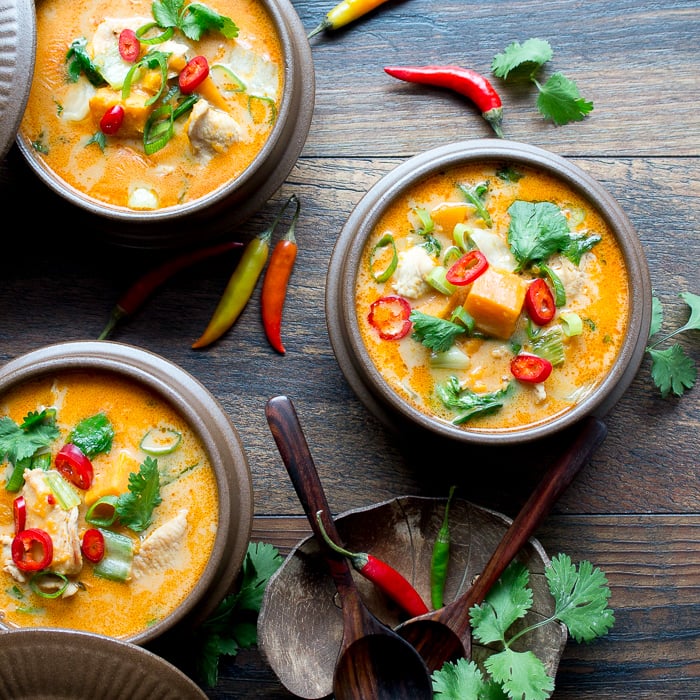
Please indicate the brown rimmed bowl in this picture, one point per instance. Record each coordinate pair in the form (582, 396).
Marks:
(209, 421)
(231, 204)
(344, 332)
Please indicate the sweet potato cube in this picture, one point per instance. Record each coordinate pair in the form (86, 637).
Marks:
(135, 110)
(495, 301)
(448, 214)
(115, 480)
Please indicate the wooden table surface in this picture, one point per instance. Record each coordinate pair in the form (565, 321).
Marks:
(634, 511)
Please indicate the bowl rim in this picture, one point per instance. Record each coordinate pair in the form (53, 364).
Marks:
(253, 186)
(343, 329)
(208, 419)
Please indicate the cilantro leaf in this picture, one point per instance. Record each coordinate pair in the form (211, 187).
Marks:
(17, 442)
(135, 508)
(521, 60)
(672, 370)
(475, 196)
(560, 100)
(463, 679)
(521, 674)
(468, 403)
(232, 626)
(78, 61)
(93, 435)
(508, 600)
(166, 12)
(536, 231)
(197, 19)
(581, 597)
(435, 333)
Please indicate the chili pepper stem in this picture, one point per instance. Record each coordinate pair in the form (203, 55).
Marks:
(356, 559)
(117, 315)
(322, 27)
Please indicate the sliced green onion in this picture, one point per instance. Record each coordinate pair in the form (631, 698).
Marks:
(454, 358)
(268, 102)
(41, 460)
(382, 276)
(161, 441)
(426, 221)
(550, 345)
(230, 82)
(460, 235)
(103, 512)
(576, 215)
(158, 39)
(158, 129)
(437, 279)
(459, 314)
(557, 285)
(452, 254)
(571, 323)
(119, 554)
(65, 494)
(49, 584)
(16, 480)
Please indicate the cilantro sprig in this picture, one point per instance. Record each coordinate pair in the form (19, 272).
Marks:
(135, 507)
(37, 431)
(672, 370)
(581, 597)
(193, 20)
(559, 98)
(233, 625)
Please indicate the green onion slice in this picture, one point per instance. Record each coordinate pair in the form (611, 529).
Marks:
(49, 584)
(16, 480)
(119, 553)
(460, 235)
(64, 493)
(437, 279)
(451, 255)
(268, 102)
(161, 441)
(229, 81)
(383, 275)
(103, 512)
(571, 323)
(459, 314)
(158, 39)
(557, 285)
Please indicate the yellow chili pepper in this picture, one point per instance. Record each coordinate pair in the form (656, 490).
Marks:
(345, 12)
(241, 285)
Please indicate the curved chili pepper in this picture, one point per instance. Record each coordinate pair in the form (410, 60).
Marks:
(539, 302)
(274, 289)
(464, 81)
(345, 12)
(385, 577)
(440, 558)
(530, 368)
(470, 266)
(390, 316)
(134, 297)
(241, 285)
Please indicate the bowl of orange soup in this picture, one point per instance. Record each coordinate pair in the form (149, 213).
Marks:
(167, 123)
(125, 493)
(488, 292)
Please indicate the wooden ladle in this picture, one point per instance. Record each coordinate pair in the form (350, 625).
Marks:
(445, 634)
(374, 662)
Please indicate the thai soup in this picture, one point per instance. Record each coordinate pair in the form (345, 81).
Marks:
(108, 505)
(146, 105)
(492, 297)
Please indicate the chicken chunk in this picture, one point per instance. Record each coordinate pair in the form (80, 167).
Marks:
(159, 550)
(211, 130)
(414, 265)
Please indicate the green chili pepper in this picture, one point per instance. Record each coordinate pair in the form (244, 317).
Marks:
(441, 556)
(241, 285)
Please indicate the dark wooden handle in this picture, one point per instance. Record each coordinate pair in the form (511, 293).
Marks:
(591, 433)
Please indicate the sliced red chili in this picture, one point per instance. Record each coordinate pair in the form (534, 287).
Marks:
(193, 74)
(129, 45)
(74, 466)
(539, 302)
(390, 316)
(470, 266)
(530, 368)
(19, 509)
(112, 120)
(93, 545)
(32, 550)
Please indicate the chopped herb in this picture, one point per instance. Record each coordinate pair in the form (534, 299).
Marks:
(193, 20)
(508, 173)
(435, 333)
(431, 244)
(559, 99)
(672, 370)
(467, 402)
(78, 61)
(98, 138)
(135, 508)
(475, 196)
(93, 435)
(38, 430)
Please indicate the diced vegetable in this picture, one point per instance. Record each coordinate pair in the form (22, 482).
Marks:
(64, 493)
(161, 441)
(550, 345)
(118, 556)
(49, 584)
(447, 215)
(454, 358)
(495, 302)
(103, 512)
(571, 324)
(114, 480)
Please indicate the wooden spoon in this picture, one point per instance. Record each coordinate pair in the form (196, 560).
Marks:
(373, 662)
(445, 634)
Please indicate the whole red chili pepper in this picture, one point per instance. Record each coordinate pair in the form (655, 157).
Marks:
(274, 289)
(140, 291)
(465, 81)
(385, 577)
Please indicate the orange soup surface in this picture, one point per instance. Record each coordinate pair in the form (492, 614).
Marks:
(447, 308)
(119, 128)
(164, 532)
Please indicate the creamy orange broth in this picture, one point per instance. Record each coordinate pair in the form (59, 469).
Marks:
(117, 609)
(174, 174)
(597, 291)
